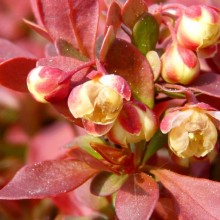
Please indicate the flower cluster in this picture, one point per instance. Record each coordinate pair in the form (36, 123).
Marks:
(107, 104)
(143, 82)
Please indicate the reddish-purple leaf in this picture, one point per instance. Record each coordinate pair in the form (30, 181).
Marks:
(10, 50)
(207, 83)
(132, 10)
(105, 183)
(85, 16)
(201, 194)
(66, 20)
(127, 61)
(47, 179)
(137, 198)
(13, 73)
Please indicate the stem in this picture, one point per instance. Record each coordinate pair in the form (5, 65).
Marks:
(172, 88)
(125, 29)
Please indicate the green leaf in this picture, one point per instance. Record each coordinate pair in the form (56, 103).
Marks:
(157, 142)
(145, 33)
(84, 143)
(107, 183)
(67, 49)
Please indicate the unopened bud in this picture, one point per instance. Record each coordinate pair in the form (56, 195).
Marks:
(179, 65)
(48, 84)
(199, 27)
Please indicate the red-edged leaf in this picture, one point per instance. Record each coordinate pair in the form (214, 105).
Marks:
(113, 16)
(105, 183)
(132, 10)
(10, 50)
(126, 60)
(13, 73)
(207, 83)
(203, 194)
(65, 19)
(137, 198)
(47, 179)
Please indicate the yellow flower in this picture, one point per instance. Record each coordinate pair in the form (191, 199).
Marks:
(191, 132)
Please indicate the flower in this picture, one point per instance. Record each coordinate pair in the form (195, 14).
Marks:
(135, 122)
(48, 84)
(191, 129)
(99, 101)
(199, 27)
(179, 65)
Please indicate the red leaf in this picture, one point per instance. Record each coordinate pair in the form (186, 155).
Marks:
(195, 198)
(10, 50)
(66, 20)
(47, 179)
(113, 17)
(207, 83)
(132, 10)
(137, 198)
(126, 60)
(13, 73)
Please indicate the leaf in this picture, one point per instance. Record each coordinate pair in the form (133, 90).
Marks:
(132, 10)
(40, 30)
(202, 194)
(145, 33)
(111, 154)
(10, 50)
(137, 198)
(84, 142)
(207, 83)
(13, 73)
(47, 179)
(67, 49)
(158, 141)
(105, 183)
(107, 42)
(113, 17)
(66, 20)
(66, 64)
(125, 60)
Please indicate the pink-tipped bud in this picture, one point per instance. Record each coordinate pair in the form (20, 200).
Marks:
(179, 65)
(199, 27)
(48, 84)
(135, 123)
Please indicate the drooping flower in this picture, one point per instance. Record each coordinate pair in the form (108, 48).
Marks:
(179, 65)
(135, 122)
(48, 84)
(199, 27)
(99, 101)
(191, 129)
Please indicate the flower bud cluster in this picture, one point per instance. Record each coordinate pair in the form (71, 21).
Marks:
(197, 34)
